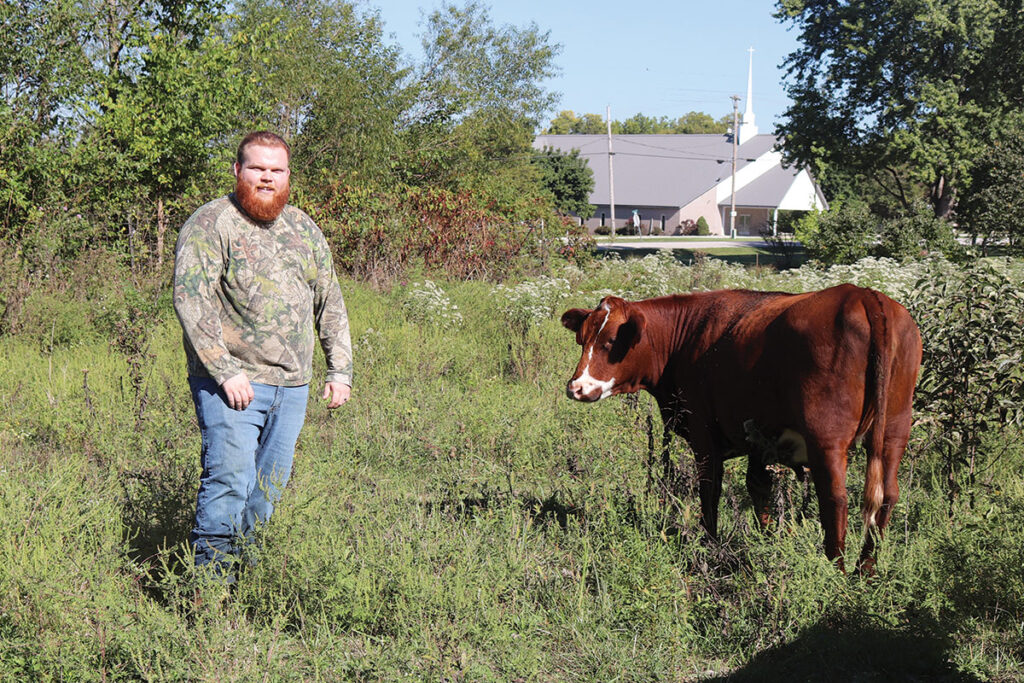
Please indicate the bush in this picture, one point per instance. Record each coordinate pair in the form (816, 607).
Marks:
(848, 233)
(577, 247)
(805, 225)
(994, 208)
(915, 233)
(379, 235)
(971, 380)
(843, 234)
(702, 227)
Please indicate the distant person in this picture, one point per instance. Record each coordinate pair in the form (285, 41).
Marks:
(253, 278)
(636, 222)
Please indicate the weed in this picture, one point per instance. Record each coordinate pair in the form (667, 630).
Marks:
(460, 519)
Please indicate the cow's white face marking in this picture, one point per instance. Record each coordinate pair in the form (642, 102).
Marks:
(586, 384)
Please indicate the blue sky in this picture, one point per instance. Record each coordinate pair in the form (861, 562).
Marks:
(658, 58)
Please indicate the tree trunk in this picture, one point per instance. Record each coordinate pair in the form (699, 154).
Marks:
(942, 197)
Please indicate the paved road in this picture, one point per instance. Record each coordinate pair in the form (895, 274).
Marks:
(630, 243)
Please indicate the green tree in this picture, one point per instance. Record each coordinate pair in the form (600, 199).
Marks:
(46, 75)
(472, 66)
(334, 89)
(118, 116)
(907, 94)
(638, 124)
(696, 122)
(593, 124)
(569, 179)
(478, 99)
(567, 123)
(995, 206)
(176, 92)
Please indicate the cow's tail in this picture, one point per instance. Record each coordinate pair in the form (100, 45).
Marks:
(875, 408)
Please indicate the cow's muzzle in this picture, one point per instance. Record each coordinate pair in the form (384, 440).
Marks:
(578, 391)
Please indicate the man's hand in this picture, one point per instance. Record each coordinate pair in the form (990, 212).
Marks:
(338, 394)
(238, 391)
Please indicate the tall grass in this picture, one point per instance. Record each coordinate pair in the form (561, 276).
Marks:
(461, 519)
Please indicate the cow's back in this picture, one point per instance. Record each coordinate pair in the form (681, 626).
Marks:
(800, 362)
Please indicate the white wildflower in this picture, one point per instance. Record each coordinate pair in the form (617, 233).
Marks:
(427, 304)
(530, 302)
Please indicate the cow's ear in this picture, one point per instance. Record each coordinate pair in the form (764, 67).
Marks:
(574, 317)
(611, 301)
(631, 331)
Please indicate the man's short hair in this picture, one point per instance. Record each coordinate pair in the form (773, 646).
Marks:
(264, 138)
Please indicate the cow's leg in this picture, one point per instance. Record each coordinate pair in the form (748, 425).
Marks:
(709, 473)
(759, 485)
(875, 524)
(829, 472)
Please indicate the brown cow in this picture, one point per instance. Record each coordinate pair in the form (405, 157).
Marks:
(812, 372)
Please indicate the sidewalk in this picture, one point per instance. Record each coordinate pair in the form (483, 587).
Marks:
(632, 242)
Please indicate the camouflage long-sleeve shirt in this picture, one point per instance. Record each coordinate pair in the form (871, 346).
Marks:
(249, 297)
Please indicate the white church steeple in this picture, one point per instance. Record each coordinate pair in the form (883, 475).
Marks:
(748, 128)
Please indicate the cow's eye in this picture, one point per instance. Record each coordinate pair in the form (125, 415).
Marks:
(609, 344)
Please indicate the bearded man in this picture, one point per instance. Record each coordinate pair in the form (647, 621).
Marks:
(253, 279)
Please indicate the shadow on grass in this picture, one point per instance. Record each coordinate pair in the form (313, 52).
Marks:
(542, 512)
(158, 509)
(157, 515)
(856, 650)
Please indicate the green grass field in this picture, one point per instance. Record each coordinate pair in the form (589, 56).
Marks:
(461, 519)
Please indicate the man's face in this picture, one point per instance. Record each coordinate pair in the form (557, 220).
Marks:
(261, 182)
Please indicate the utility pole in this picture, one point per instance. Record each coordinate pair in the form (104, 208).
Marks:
(611, 171)
(735, 140)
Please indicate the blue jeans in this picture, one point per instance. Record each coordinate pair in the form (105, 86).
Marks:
(247, 459)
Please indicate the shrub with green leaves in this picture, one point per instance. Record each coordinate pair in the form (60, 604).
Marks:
(847, 233)
(702, 227)
(842, 235)
(914, 233)
(972, 377)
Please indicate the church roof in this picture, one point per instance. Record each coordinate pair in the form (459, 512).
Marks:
(673, 170)
(767, 190)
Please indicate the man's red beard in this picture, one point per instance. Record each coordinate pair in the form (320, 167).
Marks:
(262, 207)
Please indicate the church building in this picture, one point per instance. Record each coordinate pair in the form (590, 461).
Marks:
(670, 181)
